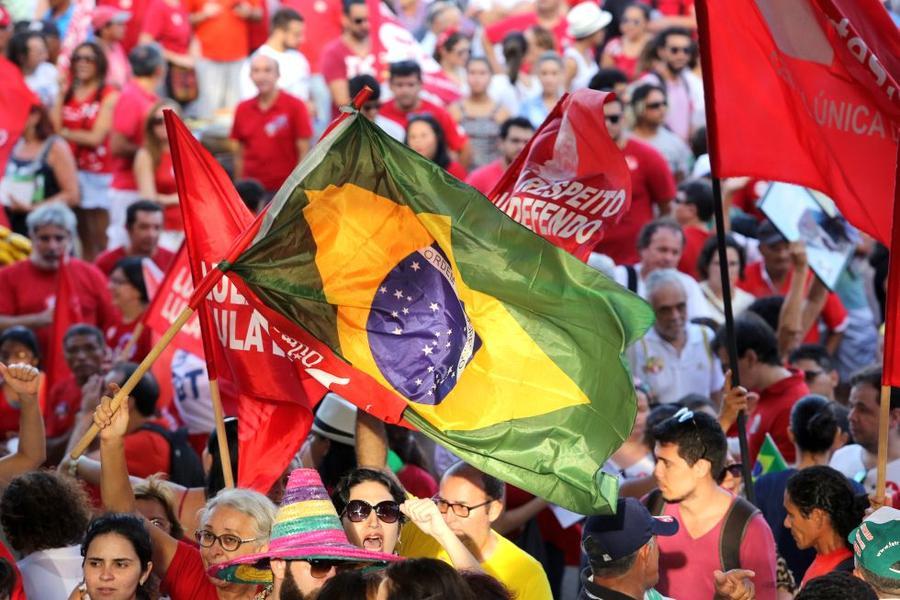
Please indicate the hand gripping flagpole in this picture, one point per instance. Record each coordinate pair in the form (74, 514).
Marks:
(711, 135)
(201, 290)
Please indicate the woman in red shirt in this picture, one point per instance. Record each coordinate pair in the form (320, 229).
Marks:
(83, 117)
(425, 136)
(155, 174)
(623, 52)
(129, 295)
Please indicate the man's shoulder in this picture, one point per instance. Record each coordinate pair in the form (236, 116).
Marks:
(11, 273)
(641, 150)
(847, 457)
(108, 258)
(85, 269)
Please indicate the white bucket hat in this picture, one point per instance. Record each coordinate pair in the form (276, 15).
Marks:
(586, 19)
(336, 419)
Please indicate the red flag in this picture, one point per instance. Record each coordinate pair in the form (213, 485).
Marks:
(890, 374)
(571, 183)
(169, 300)
(795, 94)
(66, 312)
(16, 100)
(274, 405)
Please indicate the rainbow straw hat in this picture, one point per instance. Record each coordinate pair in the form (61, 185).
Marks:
(306, 527)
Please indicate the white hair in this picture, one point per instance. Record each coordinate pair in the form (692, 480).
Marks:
(53, 213)
(249, 502)
(661, 278)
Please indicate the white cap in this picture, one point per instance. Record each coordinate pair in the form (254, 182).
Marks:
(336, 419)
(586, 19)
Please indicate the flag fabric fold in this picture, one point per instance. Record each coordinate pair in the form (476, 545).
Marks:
(805, 92)
(406, 292)
(274, 405)
(66, 312)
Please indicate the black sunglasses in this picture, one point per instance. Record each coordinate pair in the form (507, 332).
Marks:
(319, 568)
(359, 20)
(735, 470)
(387, 511)
(655, 105)
(679, 49)
(613, 119)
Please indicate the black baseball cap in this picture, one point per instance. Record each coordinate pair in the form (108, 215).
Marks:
(607, 538)
(767, 233)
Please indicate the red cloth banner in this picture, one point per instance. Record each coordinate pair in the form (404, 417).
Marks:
(571, 183)
(169, 300)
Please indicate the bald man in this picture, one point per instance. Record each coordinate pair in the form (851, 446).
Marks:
(271, 131)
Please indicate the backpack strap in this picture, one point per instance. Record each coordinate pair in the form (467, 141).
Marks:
(631, 272)
(159, 430)
(655, 502)
(732, 534)
(847, 565)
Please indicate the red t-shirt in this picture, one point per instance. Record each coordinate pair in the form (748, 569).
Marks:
(675, 8)
(651, 183)
(186, 576)
(519, 23)
(27, 290)
(63, 404)
(456, 169)
(485, 178)
(118, 336)
(417, 481)
(81, 115)
(453, 133)
(568, 540)
(694, 238)
(823, 564)
(338, 61)
(18, 592)
(269, 137)
(773, 415)
(326, 14)
(128, 119)
(169, 25)
(686, 563)
(746, 198)
(164, 181)
(147, 452)
(224, 37)
(834, 315)
(107, 259)
(137, 9)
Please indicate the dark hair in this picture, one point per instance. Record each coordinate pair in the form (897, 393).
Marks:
(768, 309)
(145, 59)
(813, 423)
(452, 40)
(699, 437)
(252, 193)
(131, 528)
(751, 332)
(153, 489)
(485, 587)
(341, 494)
(842, 419)
(511, 122)
(871, 376)
(880, 583)
(403, 441)
(100, 62)
(639, 5)
(663, 36)
(828, 490)
(22, 335)
(355, 583)
(425, 579)
(710, 248)
(515, 47)
(339, 460)
(405, 68)
(650, 229)
(815, 352)
(696, 402)
(699, 144)
(139, 206)
(84, 329)
(837, 585)
(41, 510)
(133, 269)
(17, 50)
(699, 192)
(44, 127)
(215, 479)
(145, 393)
(657, 415)
(347, 4)
(641, 92)
(7, 578)
(492, 487)
(359, 82)
(605, 80)
(284, 16)
(441, 154)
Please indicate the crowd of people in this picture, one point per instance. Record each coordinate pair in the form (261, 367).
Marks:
(375, 511)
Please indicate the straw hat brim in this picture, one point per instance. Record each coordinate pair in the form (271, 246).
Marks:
(254, 568)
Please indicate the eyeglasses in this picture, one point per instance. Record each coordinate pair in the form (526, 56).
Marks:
(157, 121)
(655, 105)
(359, 20)
(227, 541)
(736, 470)
(613, 119)
(460, 510)
(811, 375)
(678, 49)
(387, 511)
(320, 568)
(84, 57)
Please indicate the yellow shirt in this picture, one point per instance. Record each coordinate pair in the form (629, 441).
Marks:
(509, 564)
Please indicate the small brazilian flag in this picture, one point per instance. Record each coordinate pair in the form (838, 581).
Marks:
(500, 346)
(769, 459)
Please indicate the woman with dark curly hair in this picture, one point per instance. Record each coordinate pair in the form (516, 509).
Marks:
(822, 510)
(44, 515)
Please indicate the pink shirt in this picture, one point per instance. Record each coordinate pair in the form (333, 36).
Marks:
(119, 70)
(686, 564)
(128, 119)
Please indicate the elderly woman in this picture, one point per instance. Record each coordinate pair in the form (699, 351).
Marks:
(234, 523)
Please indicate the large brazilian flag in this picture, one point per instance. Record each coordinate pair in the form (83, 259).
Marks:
(505, 349)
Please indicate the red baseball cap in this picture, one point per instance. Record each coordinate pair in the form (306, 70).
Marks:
(5, 17)
(104, 15)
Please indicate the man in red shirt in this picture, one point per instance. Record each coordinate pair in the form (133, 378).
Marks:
(127, 133)
(271, 131)
(693, 210)
(651, 184)
(772, 277)
(143, 222)
(514, 136)
(406, 85)
(349, 55)
(28, 288)
(762, 372)
(549, 14)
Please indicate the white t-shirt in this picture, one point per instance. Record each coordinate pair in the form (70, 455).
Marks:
(51, 574)
(293, 73)
(190, 390)
(849, 461)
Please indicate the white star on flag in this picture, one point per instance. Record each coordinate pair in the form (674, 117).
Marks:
(415, 266)
(397, 331)
(449, 332)
(398, 294)
(405, 311)
(382, 290)
(409, 298)
(418, 381)
(434, 307)
(437, 334)
(395, 314)
(427, 350)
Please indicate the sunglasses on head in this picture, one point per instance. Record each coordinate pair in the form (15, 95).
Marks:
(387, 511)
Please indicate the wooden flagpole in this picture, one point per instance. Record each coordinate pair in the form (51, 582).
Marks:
(884, 418)
(132, 341)
(224, 452)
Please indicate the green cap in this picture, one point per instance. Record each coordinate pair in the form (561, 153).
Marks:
(876, 543)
